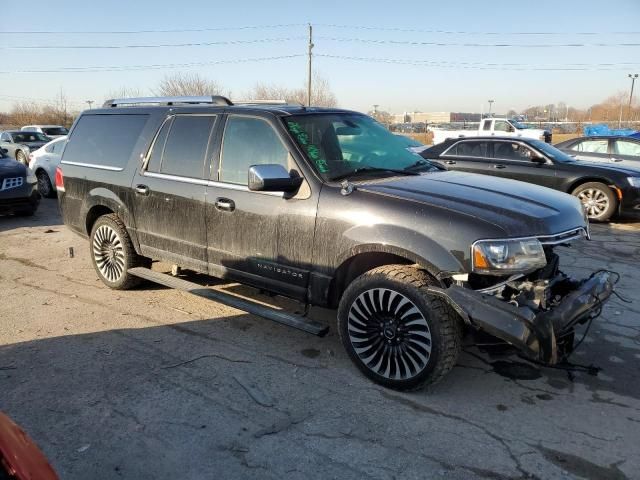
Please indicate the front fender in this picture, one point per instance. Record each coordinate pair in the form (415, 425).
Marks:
(404, 242)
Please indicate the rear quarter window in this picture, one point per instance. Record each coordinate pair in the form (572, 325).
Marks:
(104, 140)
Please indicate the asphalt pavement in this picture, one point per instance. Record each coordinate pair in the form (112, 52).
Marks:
(155, 383)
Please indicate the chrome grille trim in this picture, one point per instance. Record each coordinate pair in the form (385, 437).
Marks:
(13, 182)
(563, 237)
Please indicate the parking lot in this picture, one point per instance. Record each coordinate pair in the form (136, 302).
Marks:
(155, 383)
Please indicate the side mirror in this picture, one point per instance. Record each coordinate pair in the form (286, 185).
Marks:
(272, 178)
(538, 159)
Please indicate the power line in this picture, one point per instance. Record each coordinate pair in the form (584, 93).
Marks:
(486, 66)
(125, 68)
(473, 44)
(172, 30)
(156, 45)
(461, 32)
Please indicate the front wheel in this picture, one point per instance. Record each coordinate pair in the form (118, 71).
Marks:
(397, 333)
(598, 200)
(112, 253)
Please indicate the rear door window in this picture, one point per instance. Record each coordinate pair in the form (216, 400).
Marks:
(486, 126)
(249, 141)
(104, 140)
(155, 156)
(469, 149)
(186, 146)
(592, 146)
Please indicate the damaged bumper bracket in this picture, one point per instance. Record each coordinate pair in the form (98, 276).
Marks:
(534, 333)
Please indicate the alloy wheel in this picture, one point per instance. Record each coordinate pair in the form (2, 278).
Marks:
(108, 253)
(595, 202)
(389, 334)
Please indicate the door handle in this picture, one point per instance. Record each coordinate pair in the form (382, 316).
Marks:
(225, 204)
(450, 162)
(499, 166)
(142, 190)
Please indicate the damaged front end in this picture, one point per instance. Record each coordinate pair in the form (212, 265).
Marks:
(537, 313)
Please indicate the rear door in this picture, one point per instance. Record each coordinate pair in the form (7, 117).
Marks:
(261, 238)
(468, 156)
(169, 191)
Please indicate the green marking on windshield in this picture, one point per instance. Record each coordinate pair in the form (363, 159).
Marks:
(312, 150)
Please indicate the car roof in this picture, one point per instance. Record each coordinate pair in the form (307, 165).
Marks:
(42, 125)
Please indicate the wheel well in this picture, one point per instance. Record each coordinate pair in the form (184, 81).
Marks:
(355, 266)
(582, 181)
(94, 213)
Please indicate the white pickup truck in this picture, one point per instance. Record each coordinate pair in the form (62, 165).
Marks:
(493, 126)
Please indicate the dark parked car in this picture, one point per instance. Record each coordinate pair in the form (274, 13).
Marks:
(19, 144)
(328, 207)
(604, 189)
(18, 188)
(603, 148)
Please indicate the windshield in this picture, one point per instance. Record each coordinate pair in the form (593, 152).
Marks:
(26, 137)
(550, 151)
(55, 130)
(341, 144)
(518, 125)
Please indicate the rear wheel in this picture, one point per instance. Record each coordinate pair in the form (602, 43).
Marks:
(598, 200)
(21, 157)
(112, 253)
(397, 333)
(44, 184)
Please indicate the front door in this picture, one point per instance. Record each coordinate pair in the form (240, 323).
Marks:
(260, 238)
(513, 159)
(169, 192)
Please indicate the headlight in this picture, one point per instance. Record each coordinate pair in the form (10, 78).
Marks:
(634, 181)
(507, 256)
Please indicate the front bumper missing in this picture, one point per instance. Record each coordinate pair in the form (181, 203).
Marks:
(535, 333)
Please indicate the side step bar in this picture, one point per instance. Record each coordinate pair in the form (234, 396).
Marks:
(288, 319)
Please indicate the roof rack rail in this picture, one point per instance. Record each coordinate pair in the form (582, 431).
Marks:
(188, 100)
(261, 102)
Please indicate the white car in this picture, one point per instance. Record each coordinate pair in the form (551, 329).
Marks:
(51, 131)
(43, 163)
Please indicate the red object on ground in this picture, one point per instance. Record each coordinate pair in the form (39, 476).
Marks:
(20, 457)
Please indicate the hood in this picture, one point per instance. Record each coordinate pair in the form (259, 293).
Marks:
(11, 168)
(519, 209)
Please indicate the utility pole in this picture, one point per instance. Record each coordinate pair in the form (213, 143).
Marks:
(309, 66)
(89, 102)
(633, 81)
(490, 104)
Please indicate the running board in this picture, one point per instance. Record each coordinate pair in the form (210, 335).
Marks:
(288, 319)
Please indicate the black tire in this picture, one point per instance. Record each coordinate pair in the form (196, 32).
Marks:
(598, 199)
(44, 184)
(419, 342)
(21, 157)
(112, 253)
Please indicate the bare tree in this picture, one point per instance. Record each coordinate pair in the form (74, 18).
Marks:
(321, 94)
(124, 92)
(183, 84)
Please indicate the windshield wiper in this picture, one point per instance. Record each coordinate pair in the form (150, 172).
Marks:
(420, 163)
(371, 170)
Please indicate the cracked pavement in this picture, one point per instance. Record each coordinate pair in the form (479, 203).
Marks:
(155, 383)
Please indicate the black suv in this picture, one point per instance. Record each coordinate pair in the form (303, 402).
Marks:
(328, 207)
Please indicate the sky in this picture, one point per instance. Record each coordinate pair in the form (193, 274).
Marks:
(402, 55)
